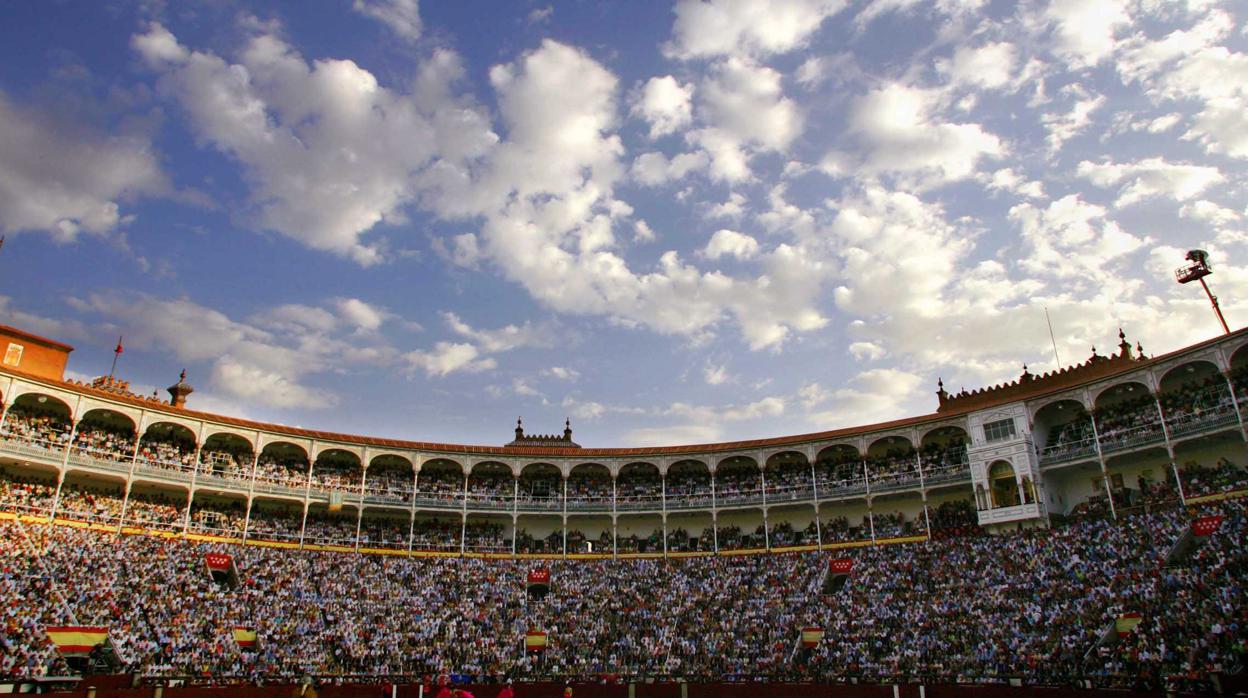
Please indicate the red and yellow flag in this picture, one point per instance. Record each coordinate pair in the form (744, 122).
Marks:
(76, 639)
(535, 641)
(1126, 623)
(811, 637)
(244, 636)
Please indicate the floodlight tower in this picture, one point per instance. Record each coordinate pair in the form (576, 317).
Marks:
(1197, 271)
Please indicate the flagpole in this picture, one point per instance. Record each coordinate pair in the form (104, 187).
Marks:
(1056, 358)
(116, 354)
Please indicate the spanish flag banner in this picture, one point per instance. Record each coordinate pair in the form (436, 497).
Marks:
(535, 641)
(76, 640)
(245, 637)
(811, 637)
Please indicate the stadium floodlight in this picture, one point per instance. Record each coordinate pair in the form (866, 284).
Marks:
(1197, 270)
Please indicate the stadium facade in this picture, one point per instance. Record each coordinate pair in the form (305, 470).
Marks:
(1097, 434)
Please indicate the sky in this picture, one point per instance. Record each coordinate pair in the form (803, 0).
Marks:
(671, 222)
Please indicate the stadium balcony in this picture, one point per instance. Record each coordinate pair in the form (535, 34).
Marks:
(1139, 429)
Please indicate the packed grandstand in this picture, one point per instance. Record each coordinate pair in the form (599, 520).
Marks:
(1081, 528)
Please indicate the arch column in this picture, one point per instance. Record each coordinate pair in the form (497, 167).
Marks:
(1100, 456)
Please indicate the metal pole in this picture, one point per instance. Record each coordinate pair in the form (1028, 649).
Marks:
(1216, 308)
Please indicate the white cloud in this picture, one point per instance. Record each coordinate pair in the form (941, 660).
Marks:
(867, 351)
(1007, 179)
(871, 396)
(328, 152)
(729, 242)
(402, 16)
(1150, 177)
(721, 27)
(990, 66)
(363, 316)
(665, 104)
(1210, 213)
(505, 338)
(1064, 126)
(449, 357)
(1085, 30)
(563, 373)
(901, 132)
(541, 14)
(653, 168)
(65, 179)
(642, 232)
(1071, 238)
(715, 375)
(744, 104)
(262, 361)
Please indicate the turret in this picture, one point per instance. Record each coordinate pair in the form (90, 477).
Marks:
(179, 391)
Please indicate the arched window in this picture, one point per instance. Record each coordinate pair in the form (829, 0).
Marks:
(1001, 485)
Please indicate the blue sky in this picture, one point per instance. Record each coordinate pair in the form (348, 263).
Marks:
(673, 222)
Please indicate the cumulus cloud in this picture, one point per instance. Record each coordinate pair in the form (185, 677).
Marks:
(730, 243)
(722, 27)
(989, 66)
(901, 132)
(1151, 177)
(65, 179)
(1085, 31)
(449, 357)
(665, 104)
(402, 16)
(266, 360)
(328, 151)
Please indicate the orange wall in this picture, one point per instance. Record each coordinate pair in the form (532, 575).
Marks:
(37, 358)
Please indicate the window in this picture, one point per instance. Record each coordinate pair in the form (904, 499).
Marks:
(13, 355)
(999, 430)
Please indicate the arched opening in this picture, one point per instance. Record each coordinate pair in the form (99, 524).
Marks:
(436, 532)
(738, 480)
(1064, 432)
(385, 529)
(892, 462)
(275, 520)
(844, 522)
(1196, 399)
(491, 486)
(38, 420)
(541, 487)
(1126, 417)
(440, 480)
(688, 485)
(741, 530)
(591, 535)
(487, 533)
(227, 456)
(898, 516)
(390, 479)
(105, 435)
(337, 470)
(791, 526)
(1239, 373)
(944, 456)
(93, 498)
(27, 489)
(168, 446)
(1002, 485)
(690, 533)
(539, 535)
(788, 477)
(637, 535)
(639, 486)
(156, 508)
(838, 470)
(283, 464)
(329, 525)
(589, 487)
(223, 515)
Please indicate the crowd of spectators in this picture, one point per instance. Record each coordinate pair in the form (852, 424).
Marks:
(1032, 605)
(1222, 476)
(35, 428)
